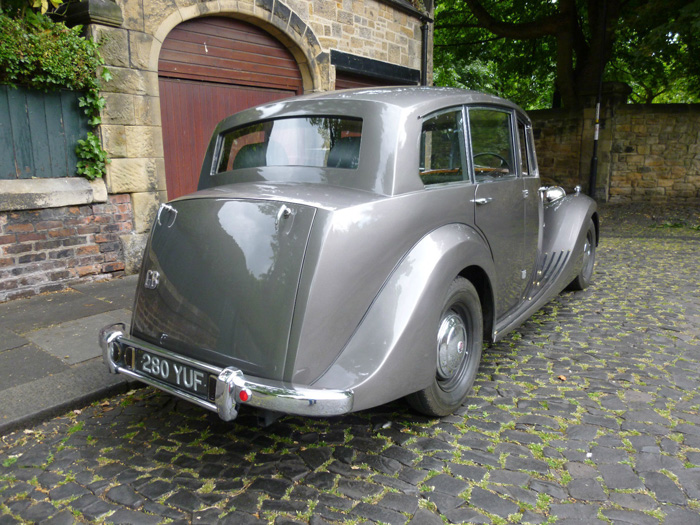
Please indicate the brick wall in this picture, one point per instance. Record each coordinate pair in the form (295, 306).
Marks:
(45, 250)
(646, 153)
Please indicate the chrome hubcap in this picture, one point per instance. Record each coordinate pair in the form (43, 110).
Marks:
(588, 255)
(451, 345)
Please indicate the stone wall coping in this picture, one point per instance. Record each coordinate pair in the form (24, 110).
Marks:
(30, 194)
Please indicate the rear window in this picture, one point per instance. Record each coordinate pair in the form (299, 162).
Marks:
(323, 142)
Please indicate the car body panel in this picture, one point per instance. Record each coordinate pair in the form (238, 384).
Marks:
(392, 353)
(297, 281)
(229, 271)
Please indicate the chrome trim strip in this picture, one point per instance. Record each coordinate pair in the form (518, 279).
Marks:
(230, 383)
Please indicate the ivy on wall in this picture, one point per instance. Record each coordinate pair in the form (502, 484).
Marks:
(37, 52)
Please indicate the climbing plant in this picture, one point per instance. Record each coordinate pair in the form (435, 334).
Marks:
(38, 52)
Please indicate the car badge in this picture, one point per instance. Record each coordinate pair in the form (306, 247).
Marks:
(152, 279)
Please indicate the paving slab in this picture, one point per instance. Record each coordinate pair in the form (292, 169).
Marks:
(57, 393)
(26, 315)
(10, 340)
(76, 341)
(27, 363)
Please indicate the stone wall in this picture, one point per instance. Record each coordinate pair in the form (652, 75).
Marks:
(646, 153)
(655, 153)
(42, 250)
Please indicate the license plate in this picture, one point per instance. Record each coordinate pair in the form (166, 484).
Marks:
(181, 376)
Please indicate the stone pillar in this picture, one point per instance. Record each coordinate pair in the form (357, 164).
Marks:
(130, 129)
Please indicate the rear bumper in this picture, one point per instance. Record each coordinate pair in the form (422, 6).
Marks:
(228, 388)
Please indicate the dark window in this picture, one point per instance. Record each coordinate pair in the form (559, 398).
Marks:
(442, 149)
(492, 147)
(324, 142)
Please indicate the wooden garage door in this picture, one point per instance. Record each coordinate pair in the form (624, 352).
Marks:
(210, 68)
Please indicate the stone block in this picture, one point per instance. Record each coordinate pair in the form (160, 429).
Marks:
(31, 194)
(242, 6)
(114, 141)
(133, 15)
(161, 183)
(133, 247)
(119, 108)
(114, 45)
(131, 175)
(156, 12)
(145, 206)
(99, 190)
(140, 45)
(144, 141)
(196, 10)
(147, 111)
(131, 81)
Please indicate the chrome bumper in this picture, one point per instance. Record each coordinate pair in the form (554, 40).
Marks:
(231, 390)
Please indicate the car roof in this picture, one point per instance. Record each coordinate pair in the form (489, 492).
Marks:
(391, 116)
(408, 96)
(412, 99)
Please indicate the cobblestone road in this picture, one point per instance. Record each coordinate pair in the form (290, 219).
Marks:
(589, 413)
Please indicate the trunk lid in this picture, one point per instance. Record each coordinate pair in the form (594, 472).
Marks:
(220, 279)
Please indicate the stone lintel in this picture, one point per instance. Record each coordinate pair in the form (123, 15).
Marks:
(103, 12)
(31, 194)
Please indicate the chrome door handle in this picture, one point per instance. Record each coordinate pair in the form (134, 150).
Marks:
(482, 200)
(283, 213)
(526, 193)
(171, 213)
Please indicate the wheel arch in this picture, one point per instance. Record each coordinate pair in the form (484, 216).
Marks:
(480, 280)
(391, 354)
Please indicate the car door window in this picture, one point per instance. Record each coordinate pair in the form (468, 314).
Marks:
(528, 162)
(492, 147)
(442, 148)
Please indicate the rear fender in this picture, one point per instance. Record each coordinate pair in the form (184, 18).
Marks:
(393, 351)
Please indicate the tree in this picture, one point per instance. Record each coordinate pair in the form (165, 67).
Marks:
(534, 52)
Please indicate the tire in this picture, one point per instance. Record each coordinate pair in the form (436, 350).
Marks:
(459, 339)
(585, 275)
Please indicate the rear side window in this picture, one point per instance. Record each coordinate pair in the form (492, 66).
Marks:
(492, 144)
(324, 142)
(442, 149)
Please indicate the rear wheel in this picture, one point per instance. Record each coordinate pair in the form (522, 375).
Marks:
(585, 276)
(458, 348)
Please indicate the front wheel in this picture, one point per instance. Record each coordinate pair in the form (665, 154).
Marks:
(458, 352)
(585, 276)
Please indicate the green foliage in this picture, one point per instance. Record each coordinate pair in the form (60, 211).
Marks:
(93, 158)
(18, 8)
(42, 54)
(655, 53)
(650, 45)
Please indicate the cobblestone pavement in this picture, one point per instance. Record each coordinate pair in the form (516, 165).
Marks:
(589, 413)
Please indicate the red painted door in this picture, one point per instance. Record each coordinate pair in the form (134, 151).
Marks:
(210, 68)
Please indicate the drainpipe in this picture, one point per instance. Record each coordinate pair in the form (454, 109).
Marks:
(424, 52)
(593, 175)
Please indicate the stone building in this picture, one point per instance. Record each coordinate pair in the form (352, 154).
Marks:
(178, 67)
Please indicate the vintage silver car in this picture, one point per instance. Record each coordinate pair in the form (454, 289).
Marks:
(350, 248)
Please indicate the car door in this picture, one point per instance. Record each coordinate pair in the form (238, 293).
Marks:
(499, 201)
(532, 241)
